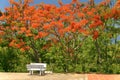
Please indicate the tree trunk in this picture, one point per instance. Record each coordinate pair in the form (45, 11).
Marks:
(99, 51)
(36, 53)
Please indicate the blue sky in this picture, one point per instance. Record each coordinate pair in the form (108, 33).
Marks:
(4, 3)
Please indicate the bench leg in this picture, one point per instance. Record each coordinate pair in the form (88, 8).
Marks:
(40, 72)
(30, 72)
(43, 72)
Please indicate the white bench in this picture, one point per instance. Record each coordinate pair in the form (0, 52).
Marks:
(36, 67)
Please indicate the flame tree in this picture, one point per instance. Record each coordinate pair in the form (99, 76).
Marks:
(39, 27)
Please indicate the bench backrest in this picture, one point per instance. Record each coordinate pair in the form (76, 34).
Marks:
(36, 66)
(44, 64)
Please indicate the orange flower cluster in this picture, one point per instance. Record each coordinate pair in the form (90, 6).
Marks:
(12, 43)
(40, 35)
(60, 2)
(95, 35)
(1, 33)
(117, 5)
(115, 13)
(42, 20)
(20, 45)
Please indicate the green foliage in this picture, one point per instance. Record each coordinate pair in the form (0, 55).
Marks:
(11, 60)
(86, 59)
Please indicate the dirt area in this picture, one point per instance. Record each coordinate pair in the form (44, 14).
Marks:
(58, 76)
(103, 76)
(53, 76)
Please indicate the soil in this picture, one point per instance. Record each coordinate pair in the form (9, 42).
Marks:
(52, 76)
(58, 76)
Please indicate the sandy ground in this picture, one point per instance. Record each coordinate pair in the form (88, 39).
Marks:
(53, 76)
(58, 76)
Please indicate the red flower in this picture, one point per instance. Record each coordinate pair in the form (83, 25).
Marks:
(74, 1)
(46, 27)
(81, 15)
(85, 32)
(35, 25)
(60, 2)
(95, 35)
